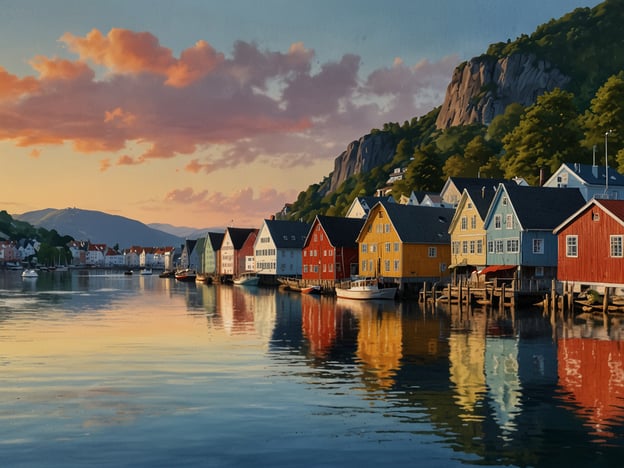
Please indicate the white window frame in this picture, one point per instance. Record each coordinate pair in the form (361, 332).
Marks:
(616, 246)
(433, 252)
(498, 221)
(572, 246)
(538, 246)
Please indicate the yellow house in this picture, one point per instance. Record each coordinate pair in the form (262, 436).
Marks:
(405, 243)
(468, 238)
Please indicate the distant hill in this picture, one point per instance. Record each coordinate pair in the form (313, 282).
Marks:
(185, 232)
(99, 227)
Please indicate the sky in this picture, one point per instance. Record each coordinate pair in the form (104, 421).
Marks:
(202, 113)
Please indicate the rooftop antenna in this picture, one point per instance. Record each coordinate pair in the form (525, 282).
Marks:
(607, 163)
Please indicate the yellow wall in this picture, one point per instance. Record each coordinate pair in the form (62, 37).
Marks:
(468, 211)
(413, 259)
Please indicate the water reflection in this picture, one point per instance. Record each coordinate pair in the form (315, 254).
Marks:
(493, 387)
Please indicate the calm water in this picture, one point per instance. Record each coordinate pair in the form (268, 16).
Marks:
(112, 370)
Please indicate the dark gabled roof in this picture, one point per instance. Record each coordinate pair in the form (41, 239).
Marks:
(482, 198)
(215, 239)
(189, 245)
(287, 234)
(239, 236)
(462, 183)
(420, 195)
(199, 246)
(420, 224)
(341, 232)
(543, 207)
(586, 173)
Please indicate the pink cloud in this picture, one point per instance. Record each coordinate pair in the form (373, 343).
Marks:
(253, 104)
(247, 205)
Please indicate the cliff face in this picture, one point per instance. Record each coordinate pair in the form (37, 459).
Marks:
(361, 156)
(481, 88)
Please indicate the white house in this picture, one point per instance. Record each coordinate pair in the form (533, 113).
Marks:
(593, 181)
(277, 248)
(113, 259)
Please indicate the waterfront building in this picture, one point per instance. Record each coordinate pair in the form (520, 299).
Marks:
(593, 181)
(591, 245)
(278, 246)
(468, 237)
(519, 228)
(405, 244)
(237, 251)
(330, 252)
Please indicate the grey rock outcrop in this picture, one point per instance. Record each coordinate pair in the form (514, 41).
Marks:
(482, 87)
(362, 155)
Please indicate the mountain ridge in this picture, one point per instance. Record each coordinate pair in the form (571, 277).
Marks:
(99, 227)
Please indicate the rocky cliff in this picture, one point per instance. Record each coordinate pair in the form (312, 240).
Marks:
(482, 87)
(361, 156)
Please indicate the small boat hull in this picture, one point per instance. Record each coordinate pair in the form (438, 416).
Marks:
(247, 279)
(365, 289)
(311, 290)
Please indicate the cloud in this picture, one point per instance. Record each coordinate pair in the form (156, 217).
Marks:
(247, 204)
(223, 111)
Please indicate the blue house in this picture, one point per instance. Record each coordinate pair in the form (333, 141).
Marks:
(593, 181)
(519, 225)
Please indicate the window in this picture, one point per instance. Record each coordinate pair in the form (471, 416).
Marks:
(373, 248)
(538, 246)
(479, 247)
(363, 265)
(387, 228)
(387, 265)
(433, 252)
(455, 247)
(571, 246)
(464, 247)
(472, 246)
(497, 221)
(396, 265)
(509, 222)
(490, 246)
(498, 246)
(464, 223)
(595, 216)
(616, 246)
(473, 222)
(364, 248)
(387, 246)
(539, 271)
(396, 246)
(512, 245)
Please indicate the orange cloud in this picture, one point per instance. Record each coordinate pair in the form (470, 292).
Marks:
(35, 154)
(13, 87)
(104, 164)
(58, 69)
(120, 116)
(132, 52)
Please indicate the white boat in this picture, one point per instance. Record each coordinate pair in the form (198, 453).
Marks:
(247, 279)
(365, 288)
(29, 273)
(146, 271)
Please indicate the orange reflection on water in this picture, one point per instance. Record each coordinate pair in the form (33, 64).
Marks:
(380, 338)
(320, 322)
(593, 372)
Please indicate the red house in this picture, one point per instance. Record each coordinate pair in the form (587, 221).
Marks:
(591, 245)
(330, 251)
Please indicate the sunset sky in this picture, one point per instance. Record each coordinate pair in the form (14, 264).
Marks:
(207, 113)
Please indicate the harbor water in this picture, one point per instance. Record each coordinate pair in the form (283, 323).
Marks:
(105, 369)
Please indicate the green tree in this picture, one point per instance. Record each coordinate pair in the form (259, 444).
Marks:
(606, 114)
(547, 135)
(504, 123)
(423, 173)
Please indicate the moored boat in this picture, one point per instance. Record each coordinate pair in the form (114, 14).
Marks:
(365, 288)
(312, 289)
(29, 273)
(146, 271)
(167, 274)
(248, 278)
(186, 275)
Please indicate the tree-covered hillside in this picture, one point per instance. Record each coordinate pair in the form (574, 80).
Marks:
(561, 126)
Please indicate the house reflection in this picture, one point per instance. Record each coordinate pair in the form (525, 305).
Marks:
(592, 373)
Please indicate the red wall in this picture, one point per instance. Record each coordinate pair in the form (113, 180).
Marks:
(326, 257)
(594, 263)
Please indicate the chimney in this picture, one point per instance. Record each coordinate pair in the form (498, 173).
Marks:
(595, 170)
(483, 192)
(541, 177)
